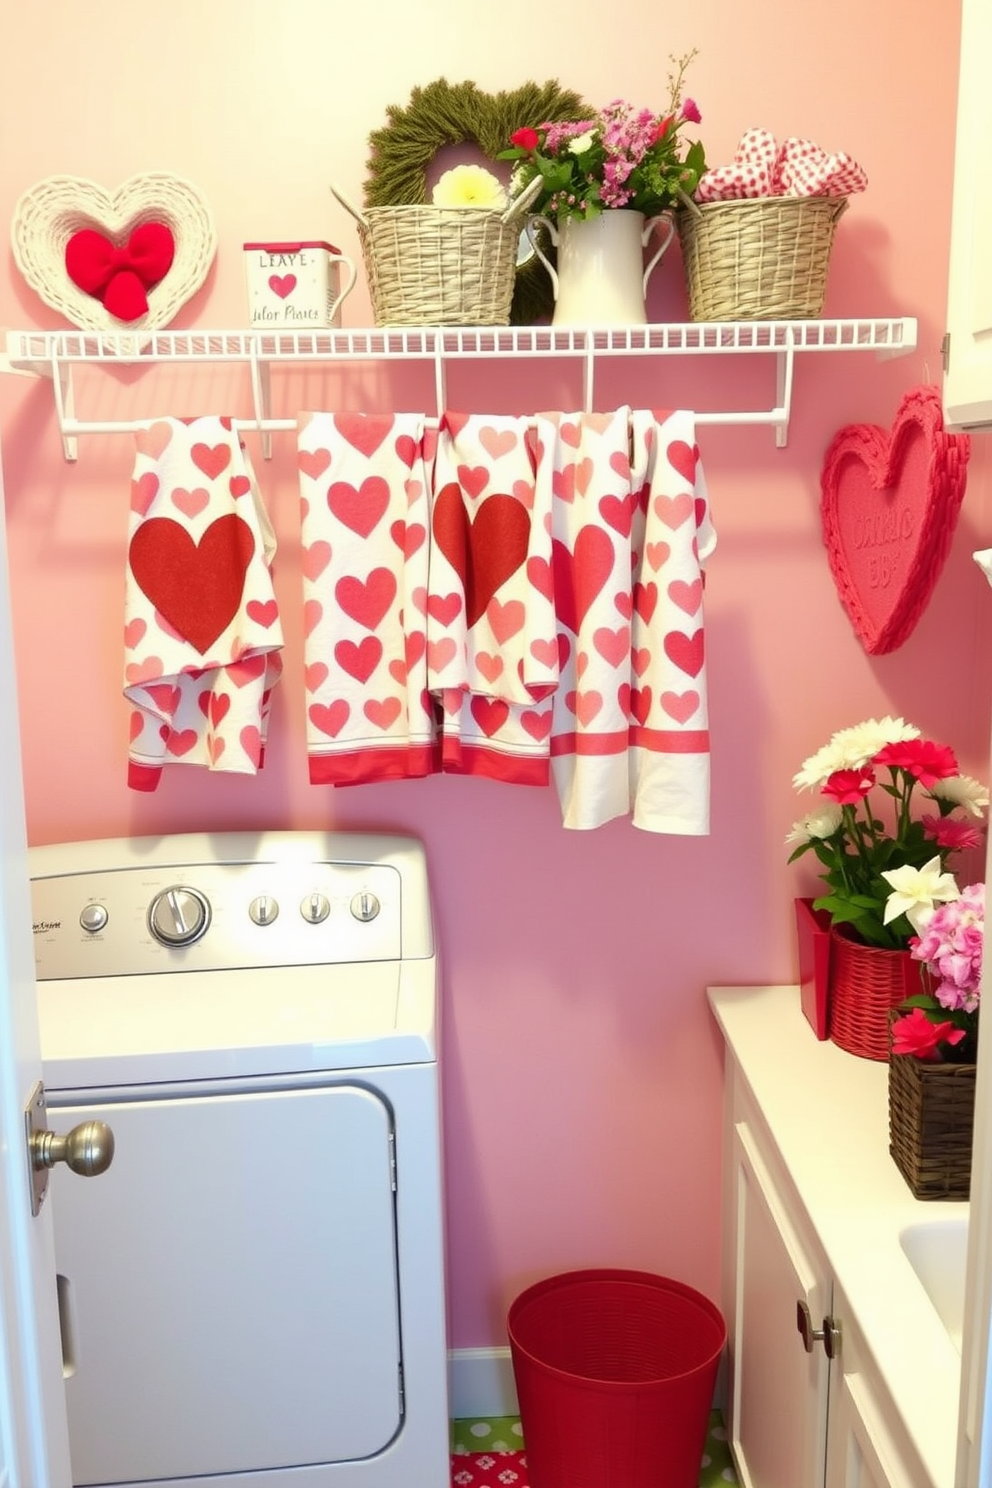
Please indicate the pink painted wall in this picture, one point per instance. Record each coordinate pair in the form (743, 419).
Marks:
(582, 1069)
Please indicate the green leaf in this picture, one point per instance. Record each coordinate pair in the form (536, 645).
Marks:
(695, 158)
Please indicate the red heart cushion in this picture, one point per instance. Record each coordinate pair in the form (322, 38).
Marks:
(889, 506)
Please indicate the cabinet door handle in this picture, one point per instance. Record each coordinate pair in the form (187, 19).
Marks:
(828, 1335)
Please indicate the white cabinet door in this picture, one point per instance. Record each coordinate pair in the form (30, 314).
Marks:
(866, 1442)
(968, 372)
(34, 1443)
(778, 1391)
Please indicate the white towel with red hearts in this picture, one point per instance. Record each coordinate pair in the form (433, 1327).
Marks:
(364, 486)
(201, 624)
(795, 167)
(491, 650)
(672, 536)
(630, 528)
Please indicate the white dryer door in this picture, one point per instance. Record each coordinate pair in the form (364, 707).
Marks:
(228, 1288)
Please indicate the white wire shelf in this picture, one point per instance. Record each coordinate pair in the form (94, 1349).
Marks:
(55, 354)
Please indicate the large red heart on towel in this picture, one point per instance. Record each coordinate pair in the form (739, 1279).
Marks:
(889, 506)
(195, 586)
(486, 552)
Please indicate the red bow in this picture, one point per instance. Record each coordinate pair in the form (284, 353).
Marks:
(119, 277)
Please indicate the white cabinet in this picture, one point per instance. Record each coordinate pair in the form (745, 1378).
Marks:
(865, 1442)
(841, 1374)
(778, 1392)
(968, 356)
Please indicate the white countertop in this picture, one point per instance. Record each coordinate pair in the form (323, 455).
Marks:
(828, 1114)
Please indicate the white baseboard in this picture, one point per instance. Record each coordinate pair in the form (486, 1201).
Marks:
(481, 1383)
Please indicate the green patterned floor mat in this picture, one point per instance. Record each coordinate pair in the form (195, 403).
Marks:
(489, 1434)
(503, 1434)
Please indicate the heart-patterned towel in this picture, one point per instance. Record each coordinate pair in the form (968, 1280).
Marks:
(491, 652)
(586, 466)
(630, 529)
(796, 167)
(672, 536)
(201, 624)
(365, 518)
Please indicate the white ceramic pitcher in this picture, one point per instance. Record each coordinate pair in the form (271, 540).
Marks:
(601, 278)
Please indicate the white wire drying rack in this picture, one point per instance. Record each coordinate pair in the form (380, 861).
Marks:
(55, 354)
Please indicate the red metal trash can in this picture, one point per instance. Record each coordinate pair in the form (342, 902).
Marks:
(615, 1372)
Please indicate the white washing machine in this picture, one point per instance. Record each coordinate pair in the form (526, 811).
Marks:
(256, 1285)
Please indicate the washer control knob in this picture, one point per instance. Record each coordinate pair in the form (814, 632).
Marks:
(94, 918)
(365, 906)
(264, 909)
(178, 915)
(315, 908)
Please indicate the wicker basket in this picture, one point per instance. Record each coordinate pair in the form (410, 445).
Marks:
(434, 266)
(866, 982)
(931, 1114)
(759, 259)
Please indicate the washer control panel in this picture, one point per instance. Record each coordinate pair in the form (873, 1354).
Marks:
(215, 916)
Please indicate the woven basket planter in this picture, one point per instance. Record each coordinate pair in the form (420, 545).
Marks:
(866, 983)
(931, 1115)
(434, 266)
(759, 259)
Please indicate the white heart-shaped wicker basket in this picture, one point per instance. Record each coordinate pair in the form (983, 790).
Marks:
(48, 214)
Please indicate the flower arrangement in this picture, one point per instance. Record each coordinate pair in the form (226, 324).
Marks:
(618, 157)
(943, 1024)
(885, 869)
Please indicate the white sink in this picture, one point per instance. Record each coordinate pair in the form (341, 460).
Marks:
(937, 1250)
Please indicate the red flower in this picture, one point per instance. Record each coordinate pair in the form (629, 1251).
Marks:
(951, 832)
(915, 1034)
(664, 125)
(525, 139)
(925, 761)
(848, 787)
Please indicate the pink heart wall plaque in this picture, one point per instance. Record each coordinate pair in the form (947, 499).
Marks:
(890, 502)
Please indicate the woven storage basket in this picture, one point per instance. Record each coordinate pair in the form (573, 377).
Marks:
(759, 259)
(431, 266)
(866, 983)
(931, 1114)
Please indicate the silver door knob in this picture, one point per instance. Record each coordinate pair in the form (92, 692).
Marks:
(88, 1149)
(829, 1335)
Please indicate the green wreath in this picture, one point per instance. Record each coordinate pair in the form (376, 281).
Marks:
(443, 113)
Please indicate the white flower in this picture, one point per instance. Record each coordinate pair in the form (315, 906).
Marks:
(851, 748)
(469, 186)
(964, 791)
(580, 144)
(821, 823)
(916, 890)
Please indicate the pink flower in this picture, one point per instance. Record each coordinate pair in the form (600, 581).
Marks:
(951, 832)
(847, 787)
(691, 112)
(525, 139)
(925, 761)
(915, 1034)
